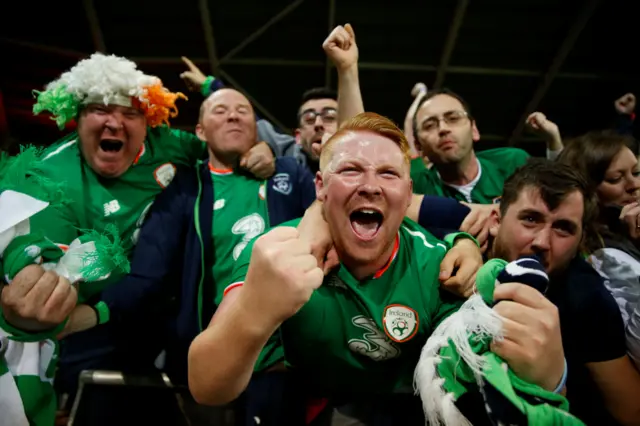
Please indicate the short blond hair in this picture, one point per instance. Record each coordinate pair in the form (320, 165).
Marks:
(368, 122)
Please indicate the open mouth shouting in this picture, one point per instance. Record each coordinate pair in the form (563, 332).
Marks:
(111, 145)
(110, 149)
(366, 222)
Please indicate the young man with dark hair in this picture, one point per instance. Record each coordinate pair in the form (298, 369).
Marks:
(546, 210)
(317, 116)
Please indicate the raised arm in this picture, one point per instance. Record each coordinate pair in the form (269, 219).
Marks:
(342, 50)
(549, 131)
(280, 278)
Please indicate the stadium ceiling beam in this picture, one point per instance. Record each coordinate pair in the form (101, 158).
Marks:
(450, 44)
(554, 69)
(94, 26)
(256, 34)
(388, 66)
(148, 60)
(331, 25)
(43, 48)
(210, 41)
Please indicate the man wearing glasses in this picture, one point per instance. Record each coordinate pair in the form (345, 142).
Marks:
(317, 116)
(446, 132)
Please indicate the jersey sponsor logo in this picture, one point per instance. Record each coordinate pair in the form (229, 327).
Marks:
(111, 207)
(218, 204)
(249, 227)
(165, 174)
(400, 322)
(374, 344)
(282, 184)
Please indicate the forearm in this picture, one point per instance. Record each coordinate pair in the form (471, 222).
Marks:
(408, 122)
(222, 358)
(439, 212)
(554, 145)
(349, 97)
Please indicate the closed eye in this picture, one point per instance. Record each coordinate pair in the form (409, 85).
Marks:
(390, 173)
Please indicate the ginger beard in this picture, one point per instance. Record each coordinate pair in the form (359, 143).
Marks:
(365, 189)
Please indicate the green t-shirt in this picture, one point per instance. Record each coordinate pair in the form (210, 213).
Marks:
(124, 201)
(496, 165)
(240, 214)
(366, 336)
(417, 166)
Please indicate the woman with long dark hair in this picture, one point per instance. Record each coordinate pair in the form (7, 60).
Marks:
(609, 163)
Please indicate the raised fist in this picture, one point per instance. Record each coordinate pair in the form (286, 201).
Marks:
(418, 88)
(282, 274)
(37, 300)
(341, 47)
(546, 128)
(194, 78)
(626, 104)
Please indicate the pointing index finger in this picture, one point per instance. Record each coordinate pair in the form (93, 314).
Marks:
(189, 64)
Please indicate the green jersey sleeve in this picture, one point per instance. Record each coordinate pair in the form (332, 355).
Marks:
(194, 148)
(177, 146)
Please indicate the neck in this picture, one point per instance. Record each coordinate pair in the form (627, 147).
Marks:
(313, 165)
(361, 270)
(222, 162)
(460, 173)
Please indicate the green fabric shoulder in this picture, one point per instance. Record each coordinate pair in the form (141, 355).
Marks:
(179, 147)
(417, 165)
(503, 160)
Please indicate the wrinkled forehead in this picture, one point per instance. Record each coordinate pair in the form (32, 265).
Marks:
(570, 208)
(227, 97)
(438, 105)
(318, 105)
(366, 149)
(112, 107)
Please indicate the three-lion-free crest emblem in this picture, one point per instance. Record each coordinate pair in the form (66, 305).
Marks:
(400, 322)
(282, 183)
(165, 174)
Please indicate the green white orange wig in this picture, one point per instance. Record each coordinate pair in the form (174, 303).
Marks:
(110, 80)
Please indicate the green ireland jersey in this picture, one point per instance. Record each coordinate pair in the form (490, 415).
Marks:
(240, 214)
(417, 166)
(366, 336)
(496, 165)
(27, 363)
(124, 201)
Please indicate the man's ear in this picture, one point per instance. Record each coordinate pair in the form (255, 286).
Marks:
(320, 187)
(494, 222)
(296, 134)
(475, 134)
(200, 132)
